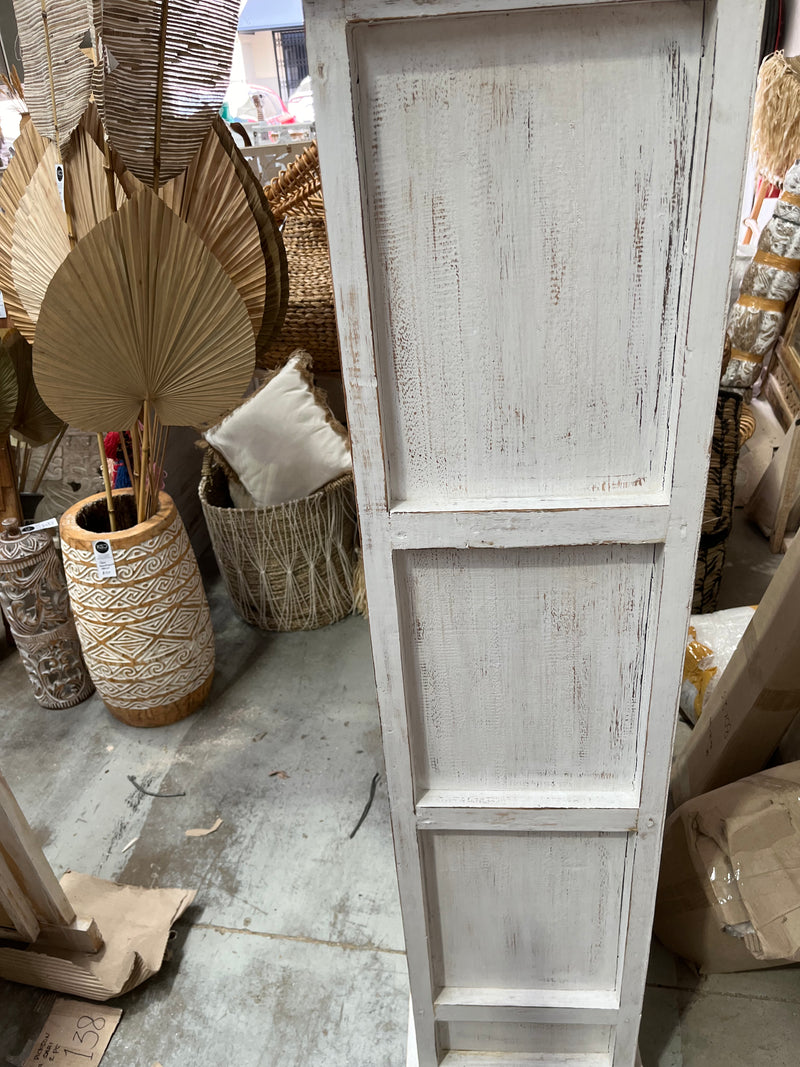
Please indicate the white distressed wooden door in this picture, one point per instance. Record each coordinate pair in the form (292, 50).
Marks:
(531, 210)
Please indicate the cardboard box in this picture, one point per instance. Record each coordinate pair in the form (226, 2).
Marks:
(729, 889)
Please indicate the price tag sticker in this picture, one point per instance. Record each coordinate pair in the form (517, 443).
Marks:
(76, 1032)
(45, 524)
(104, 560)
(3, 312)
(60, 183)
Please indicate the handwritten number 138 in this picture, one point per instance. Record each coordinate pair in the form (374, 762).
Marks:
(90, 1028)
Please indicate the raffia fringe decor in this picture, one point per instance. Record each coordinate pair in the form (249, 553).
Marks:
(146, 634)
(288, 567)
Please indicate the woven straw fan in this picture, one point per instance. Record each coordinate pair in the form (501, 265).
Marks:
(58, 75)
(165, 70)
(40, 241)
(28, 151)
(140, 311)
(211, 199)
(271, 241)
(33, 422)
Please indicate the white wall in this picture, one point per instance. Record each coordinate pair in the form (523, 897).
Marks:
(259, 59)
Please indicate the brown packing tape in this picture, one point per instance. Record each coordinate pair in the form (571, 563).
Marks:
(760, 303)
(769, 259)
(745, 357)
(790, 198)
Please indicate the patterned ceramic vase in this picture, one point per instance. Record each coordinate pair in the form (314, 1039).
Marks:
(145, 630)
(35, 601)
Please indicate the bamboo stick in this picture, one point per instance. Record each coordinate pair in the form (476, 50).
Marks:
(126, 457)
(145, 472)
(26, 462)
(112, 518)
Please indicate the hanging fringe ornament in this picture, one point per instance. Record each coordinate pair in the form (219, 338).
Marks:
(775, 139)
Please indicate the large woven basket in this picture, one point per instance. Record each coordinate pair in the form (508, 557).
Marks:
(310, 320)
(288, 567)
(718, 509)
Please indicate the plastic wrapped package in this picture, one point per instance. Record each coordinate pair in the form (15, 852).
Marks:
(711, 643)
(730, 875)
(757, 317)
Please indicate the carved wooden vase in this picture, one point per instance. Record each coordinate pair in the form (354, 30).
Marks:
(146, 631)
(34, 598)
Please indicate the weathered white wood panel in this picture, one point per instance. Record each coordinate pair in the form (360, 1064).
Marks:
(531, 213)
(522, 242)
(524, 1037)
(547, 649)
(525, 911)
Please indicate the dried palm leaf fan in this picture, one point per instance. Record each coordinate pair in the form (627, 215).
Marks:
(165, 69)
(210, 198)
(58, 74)
(775, 140)
(28, 151)
(8, 393)
(277, 296)
(41, 238)
(33, 424)
(141, 321)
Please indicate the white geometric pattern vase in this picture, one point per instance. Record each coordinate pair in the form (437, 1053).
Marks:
(146, 634)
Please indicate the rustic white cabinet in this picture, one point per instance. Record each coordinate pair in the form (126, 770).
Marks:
(532, 211)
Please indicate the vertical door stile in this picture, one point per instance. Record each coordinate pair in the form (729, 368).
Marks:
(525, 202)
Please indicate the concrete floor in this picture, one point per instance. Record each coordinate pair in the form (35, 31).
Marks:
(292, 954)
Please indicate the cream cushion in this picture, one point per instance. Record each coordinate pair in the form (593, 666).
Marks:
(283, 441)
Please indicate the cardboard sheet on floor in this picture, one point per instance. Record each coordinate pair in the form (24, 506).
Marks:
(77, 1029)
(729, 889)
(135, 924)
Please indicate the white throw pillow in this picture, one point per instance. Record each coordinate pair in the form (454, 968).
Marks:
(283, 442)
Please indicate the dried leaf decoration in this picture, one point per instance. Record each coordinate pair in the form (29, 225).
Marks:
(8, 392)
(211, 199)
(61, 24)
(141, 310)
(40, 242)
(33, 420)
(28, 151)
(271, 241)
(193, 66)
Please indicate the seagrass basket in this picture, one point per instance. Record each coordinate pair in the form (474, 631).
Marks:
(718, 508)
(295, 198)
(288, 567)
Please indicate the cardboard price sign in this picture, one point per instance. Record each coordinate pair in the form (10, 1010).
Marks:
(76, 1033)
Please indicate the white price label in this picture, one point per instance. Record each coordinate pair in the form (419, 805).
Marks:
(60, 183)
(3, 312)
(104, 560)
(45, 524)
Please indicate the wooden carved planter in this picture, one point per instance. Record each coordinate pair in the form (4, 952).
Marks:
(146, 633)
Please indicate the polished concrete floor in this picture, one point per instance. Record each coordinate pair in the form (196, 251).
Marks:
(292, 955)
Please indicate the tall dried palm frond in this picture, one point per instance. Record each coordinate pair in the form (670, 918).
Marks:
(210, 198)
(141, 313)
(33, 421)
(165, 66)
(58, 75)
(277, 296)
(40, 241)
(28, 151)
